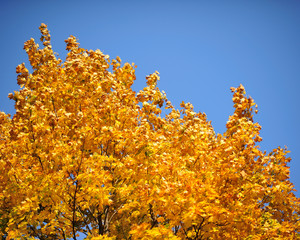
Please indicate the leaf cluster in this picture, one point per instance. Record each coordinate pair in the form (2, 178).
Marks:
(85, 154)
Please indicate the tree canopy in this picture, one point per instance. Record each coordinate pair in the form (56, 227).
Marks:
(85, 154)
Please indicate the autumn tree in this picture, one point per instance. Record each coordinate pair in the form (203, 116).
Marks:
(85, 154)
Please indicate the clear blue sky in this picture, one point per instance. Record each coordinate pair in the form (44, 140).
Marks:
(201, 49)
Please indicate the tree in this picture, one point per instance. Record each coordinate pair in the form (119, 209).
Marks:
(86, 154)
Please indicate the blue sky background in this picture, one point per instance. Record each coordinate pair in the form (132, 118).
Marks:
(200, 48)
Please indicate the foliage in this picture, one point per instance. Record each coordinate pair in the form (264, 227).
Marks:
(86, 154)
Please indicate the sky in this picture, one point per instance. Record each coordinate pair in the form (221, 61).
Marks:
(200, 49)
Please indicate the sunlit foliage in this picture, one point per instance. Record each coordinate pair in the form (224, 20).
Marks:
(85, 154)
